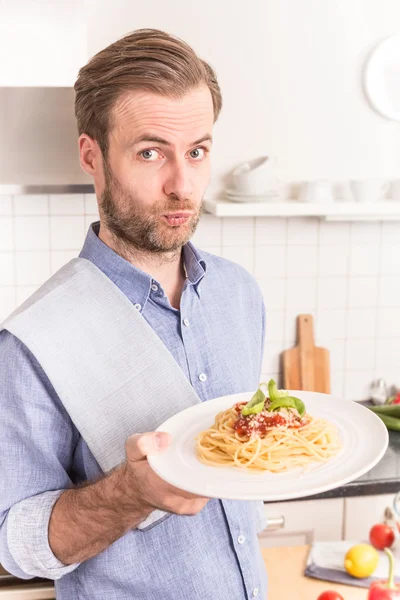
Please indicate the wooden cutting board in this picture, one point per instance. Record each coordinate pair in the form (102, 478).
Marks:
(306, 367)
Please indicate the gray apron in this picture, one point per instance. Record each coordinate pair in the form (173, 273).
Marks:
(110, 370)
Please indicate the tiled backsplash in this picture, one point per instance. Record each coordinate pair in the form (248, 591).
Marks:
(346, 274)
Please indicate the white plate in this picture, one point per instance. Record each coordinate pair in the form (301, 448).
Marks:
(233, 192)
(363, 435)
(270, 196)
(382, 78)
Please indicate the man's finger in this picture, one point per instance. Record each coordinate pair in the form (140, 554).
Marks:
(140, 445)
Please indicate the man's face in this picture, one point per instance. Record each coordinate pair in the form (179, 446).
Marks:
(158, 168)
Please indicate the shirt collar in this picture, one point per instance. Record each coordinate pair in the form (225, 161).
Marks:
(195, 265)
(133, 282)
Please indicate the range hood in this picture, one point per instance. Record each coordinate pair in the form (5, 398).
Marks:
(39, 142)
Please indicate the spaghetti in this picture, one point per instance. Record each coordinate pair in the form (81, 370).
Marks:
(268, 440)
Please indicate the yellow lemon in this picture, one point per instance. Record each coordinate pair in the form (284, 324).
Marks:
(361, 560)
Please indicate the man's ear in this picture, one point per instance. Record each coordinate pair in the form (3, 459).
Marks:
(89, 154)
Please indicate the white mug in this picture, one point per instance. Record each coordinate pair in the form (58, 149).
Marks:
(319, 191)
(369, 190)
(255, 176)
(395, 190)
(342, 192)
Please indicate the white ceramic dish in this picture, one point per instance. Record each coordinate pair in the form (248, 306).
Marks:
(271, 196)
(363, 434)
(382, 78)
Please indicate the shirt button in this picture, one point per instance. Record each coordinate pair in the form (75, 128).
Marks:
(186, 322)
(154, 287)
(241, 539)
(203, 377)
(138, 306)
(255, 592)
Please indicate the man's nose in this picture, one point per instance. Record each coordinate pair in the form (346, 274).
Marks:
(179, 181)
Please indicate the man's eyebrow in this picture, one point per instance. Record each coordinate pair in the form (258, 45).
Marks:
(205, 138)
(157, 140)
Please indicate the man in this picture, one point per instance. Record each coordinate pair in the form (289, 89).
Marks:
(145, 108)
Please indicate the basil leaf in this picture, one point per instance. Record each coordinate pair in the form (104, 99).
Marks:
(288, 402)
(255, 405)
(274, 393)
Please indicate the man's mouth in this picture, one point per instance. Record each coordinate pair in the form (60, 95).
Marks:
(179, 218)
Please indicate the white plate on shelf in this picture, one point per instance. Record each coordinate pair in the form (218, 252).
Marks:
(272, 196)
(363, 435)
(382, 78)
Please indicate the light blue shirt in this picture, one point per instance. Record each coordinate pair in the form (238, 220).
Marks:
(217, 339)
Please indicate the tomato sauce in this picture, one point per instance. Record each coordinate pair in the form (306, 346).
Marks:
(259, 424)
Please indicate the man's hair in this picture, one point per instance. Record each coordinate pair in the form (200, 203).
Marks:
(146, 59)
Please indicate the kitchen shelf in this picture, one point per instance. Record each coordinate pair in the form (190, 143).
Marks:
(387, 210)
(28, 189)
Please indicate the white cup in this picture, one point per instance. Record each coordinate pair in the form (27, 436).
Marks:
(342, 192)
(255, 176)
(395, 190)
(319, 191)
(369, 190)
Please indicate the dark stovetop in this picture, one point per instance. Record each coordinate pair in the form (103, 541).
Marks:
(384, 478)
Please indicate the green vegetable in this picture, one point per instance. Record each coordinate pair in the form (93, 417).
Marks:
(391, 410)
(274, 393)
(279, 399)
(288, 402)
(391, 423)
(255, 405)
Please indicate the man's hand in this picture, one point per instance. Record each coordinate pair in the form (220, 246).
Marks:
(149, 490)
(88, 519)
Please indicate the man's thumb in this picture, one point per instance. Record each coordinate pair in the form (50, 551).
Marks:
(143, 444)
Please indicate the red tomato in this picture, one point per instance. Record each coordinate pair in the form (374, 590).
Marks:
(381, 536)
(330, 595)
(395, 399)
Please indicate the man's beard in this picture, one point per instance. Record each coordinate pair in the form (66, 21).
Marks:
(142, 231)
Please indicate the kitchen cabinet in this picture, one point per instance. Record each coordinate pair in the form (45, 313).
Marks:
(361, 513)
(42, 43)
(302, 522)
(305, 521)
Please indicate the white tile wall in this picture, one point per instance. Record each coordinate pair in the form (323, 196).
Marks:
(38, 234)
(346, 274)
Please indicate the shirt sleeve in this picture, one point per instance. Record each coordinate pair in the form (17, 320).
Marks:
(37, 442)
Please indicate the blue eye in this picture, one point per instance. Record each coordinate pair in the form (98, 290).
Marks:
(198, 153)
(149, 155)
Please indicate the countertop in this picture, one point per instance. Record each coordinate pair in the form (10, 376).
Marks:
(28, 592)
(384, 478)
(285, 567)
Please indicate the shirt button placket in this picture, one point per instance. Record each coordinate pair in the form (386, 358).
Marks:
(241, 540)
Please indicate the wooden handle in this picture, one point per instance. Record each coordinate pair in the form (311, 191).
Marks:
(306, 345)
(305, 331)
